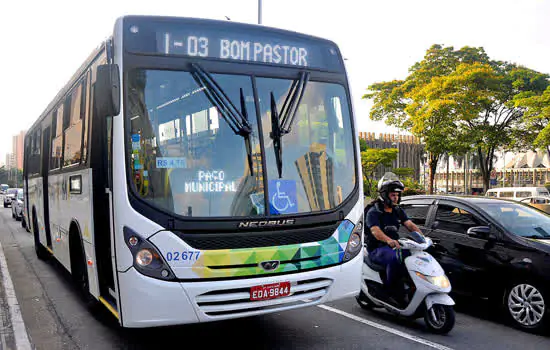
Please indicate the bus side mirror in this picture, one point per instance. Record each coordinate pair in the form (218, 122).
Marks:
(107, 90)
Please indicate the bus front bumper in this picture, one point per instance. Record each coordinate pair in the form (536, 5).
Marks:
(148, 302)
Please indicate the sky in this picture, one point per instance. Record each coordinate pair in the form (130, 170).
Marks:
(44, 42)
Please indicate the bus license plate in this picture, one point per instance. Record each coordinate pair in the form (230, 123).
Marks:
(270, 291)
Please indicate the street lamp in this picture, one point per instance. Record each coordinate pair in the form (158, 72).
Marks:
(259, 11)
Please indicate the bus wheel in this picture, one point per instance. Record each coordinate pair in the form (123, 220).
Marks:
(40, 250)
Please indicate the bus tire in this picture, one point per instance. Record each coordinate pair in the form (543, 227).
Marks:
(79, 270)
(41, 252)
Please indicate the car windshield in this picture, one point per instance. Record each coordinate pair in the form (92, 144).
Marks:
(519, 219)
(195, 145)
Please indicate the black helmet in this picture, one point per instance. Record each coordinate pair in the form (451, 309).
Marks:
(387, 184)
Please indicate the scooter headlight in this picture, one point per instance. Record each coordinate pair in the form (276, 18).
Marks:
(438, 281)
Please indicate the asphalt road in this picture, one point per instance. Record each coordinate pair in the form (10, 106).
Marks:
(56, 318)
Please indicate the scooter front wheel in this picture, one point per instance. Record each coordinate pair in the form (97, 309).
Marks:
(364, 301)
(440, 319)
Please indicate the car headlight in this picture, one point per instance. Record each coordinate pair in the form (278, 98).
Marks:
(438, 281)
(355, 242)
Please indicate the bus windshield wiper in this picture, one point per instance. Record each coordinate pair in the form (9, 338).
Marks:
(237, 120)
(281, 122)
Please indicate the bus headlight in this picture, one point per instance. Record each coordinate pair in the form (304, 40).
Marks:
(355, 242)
(144, 257)
(147, 259)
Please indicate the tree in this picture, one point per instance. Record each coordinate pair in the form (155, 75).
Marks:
(536, 129)
(458, 100)
(407, 104)
(3, 175)
(482, 100)
(371, 159)
(404, 172)
(363, 145)
(13, 177)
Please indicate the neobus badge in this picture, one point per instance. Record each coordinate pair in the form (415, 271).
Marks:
(266, 223)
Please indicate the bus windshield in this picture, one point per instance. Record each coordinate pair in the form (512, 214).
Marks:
(187, 156)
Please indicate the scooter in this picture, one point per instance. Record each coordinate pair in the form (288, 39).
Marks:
(426, 286)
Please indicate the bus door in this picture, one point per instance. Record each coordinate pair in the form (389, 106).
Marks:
(101, 159)
(45, 197)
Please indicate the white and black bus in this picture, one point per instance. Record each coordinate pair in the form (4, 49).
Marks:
(196, 170)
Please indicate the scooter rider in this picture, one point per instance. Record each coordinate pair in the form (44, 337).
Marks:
(384, 248)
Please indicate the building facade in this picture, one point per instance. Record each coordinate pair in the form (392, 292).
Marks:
(18, 148)
(511, 169)
(411, 152)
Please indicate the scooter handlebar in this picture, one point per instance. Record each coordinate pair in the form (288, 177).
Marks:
(412, 245)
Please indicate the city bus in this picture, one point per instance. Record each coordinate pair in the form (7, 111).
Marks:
(196, 170)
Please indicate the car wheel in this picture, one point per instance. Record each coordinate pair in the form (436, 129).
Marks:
(527, 306)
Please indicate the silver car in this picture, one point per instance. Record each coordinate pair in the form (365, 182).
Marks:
(17, 205)
(9, 196)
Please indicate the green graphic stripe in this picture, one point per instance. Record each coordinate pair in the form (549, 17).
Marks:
(327, 252)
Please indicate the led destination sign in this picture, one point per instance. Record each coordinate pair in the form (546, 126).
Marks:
(237, 50)
(230, 41)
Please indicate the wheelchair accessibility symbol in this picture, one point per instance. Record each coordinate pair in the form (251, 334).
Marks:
(282, 197)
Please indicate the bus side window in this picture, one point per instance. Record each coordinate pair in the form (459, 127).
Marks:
(73, 132)
(57, 139)
(86, 116)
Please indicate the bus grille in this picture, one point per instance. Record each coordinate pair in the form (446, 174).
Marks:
(236, 302)
(266, 238)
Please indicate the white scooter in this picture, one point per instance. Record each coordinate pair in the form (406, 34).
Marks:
(426, 287)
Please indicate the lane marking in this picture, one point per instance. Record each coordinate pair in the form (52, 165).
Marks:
(21, 336)
(386, 328)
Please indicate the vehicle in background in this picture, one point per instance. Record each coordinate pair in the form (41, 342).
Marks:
(17, 205)
(9, 196)
(3, 188)
(542, 203)
(493, 249)
(517, 193)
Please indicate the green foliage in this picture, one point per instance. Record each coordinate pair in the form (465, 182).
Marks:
(461, 100)
(362, 145)
(536, 129)
(13, 178)
(403, 172)
(412, 187)
(371, 159)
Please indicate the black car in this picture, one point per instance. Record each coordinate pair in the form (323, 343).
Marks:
(491, 248)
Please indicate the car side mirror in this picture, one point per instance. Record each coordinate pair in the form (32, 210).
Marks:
(483, 232)
(435, 225)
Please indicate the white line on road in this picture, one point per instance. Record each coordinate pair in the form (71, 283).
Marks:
(20, 332)
(386, 328)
